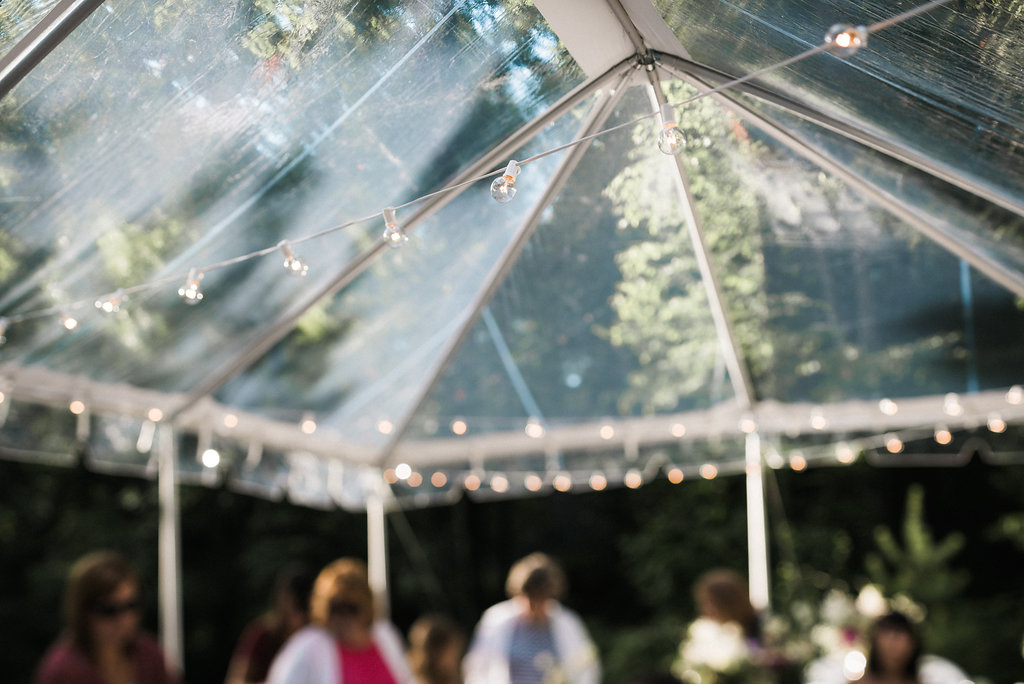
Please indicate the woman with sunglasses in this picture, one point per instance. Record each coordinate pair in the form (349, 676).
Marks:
(103, 643)
(344, 643)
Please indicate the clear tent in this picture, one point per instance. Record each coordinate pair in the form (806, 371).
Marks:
(834, 261)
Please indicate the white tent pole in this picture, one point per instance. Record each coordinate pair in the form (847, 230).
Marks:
(757, 532)
(377, 549)
(739, 376)
(169, 550)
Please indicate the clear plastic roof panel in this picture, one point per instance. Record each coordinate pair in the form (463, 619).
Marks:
(946, 84)
(178, 135)
(862, 217)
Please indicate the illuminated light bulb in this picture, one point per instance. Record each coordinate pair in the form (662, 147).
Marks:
(996, 423)
(562, 482)
(845, 454)
(459, 427)
(77, 407)
(534, 428)
(818, 420)
(499, 483)
(211, 458)
(385, 426)
(390, 476)
(606, 432)
(111, 303)
(191, 292)
(844, 40)
(439, 479)
(503, 188)
(797, 462)
(1014, 395)
(471, 483)
(598, 482)
(403, 470)
(633, 479)
(670, 140)
(295, 266)
(893, 444)
(678, 430)
(854, 665)
(951, 405)
(393, 233)
(708, 471)
(308, 425)
(943, 435)
(230, 420)
(69, 322)
(533, 482)
(414, 479)
(675, 475)
(888, 407)
(748, 424)
(5, 323)
(155, 415)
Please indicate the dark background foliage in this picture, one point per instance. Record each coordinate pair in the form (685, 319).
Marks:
(631, 555)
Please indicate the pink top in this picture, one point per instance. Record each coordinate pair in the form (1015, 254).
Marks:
(364, 666)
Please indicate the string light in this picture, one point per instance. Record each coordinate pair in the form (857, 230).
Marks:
(472, 482)
(893, 444)
(951, 405)
(888, 407)
(77, 407)
(191, 292)
(111, 303)
(503, 189)
(943, 435)
(598, 482)
(633, 479)
(69, 322)
(308, 424)
(393, 233)
(210, 458)
(533, 482)
(996, 423)
(155, 415)
(670, 139)
(1014, 395)
(439, 479)
(403, 471)
(293, 264)
(843, 40)
(675, 475)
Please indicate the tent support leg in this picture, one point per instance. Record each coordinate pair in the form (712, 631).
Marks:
(757, 535)
(169, 555)
(377, 550)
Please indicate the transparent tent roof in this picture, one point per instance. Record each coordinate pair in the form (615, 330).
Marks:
(837, 255)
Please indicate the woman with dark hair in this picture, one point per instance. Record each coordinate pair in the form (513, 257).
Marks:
(532, 637)
(344, 643)
(894, 651)
(102, 643)
(264, 636)
(436, 646)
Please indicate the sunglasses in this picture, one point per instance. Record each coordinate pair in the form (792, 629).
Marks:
(112, 610)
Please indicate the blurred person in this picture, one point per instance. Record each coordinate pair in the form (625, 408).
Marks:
(436, 647)
(263, 637)
(102, 642)
(531, 637)
(895, 656)
(344, 643)
(722, 595)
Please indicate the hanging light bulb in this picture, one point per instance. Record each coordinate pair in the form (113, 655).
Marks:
(112, 302)
(191, 291)
(844, 40)
(503, 189)
(293, 264)
(69, 322)
(670, 140)
(393, 233)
